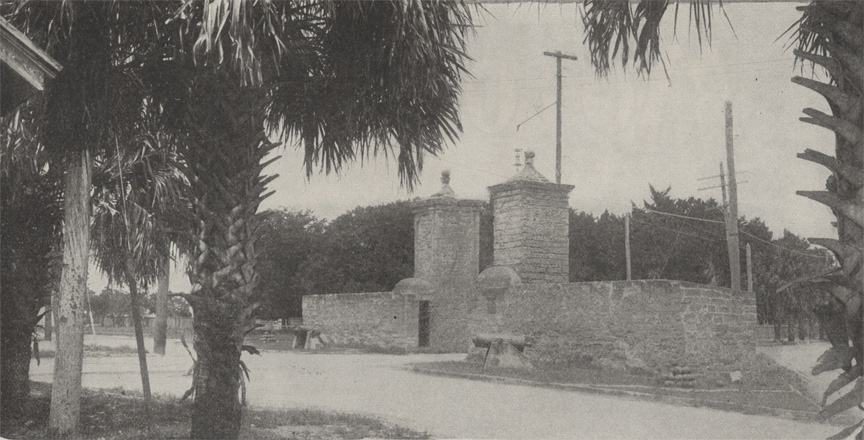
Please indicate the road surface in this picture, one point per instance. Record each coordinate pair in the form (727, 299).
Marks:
(380, 386)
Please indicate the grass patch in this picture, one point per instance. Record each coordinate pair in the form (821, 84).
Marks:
(121, 415)
(96, 351)
(765, 388)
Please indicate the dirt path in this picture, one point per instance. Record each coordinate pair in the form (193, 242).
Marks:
(379, 385)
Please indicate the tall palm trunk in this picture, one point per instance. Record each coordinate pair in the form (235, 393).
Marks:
(139, 330)
(224, 168)
(160, 329)
(66, 390)
(49, 322)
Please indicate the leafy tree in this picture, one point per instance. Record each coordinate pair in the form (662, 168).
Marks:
(371, 248)
(829, 35)
(288, 239)
(30, 236)
(596, 247)
(678, 248)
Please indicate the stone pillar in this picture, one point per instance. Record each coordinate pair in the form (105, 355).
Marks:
(447, 255)
(531, 226)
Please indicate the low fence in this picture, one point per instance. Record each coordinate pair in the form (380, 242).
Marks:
(176, 323)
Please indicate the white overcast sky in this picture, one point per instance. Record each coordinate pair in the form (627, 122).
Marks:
(621, 133)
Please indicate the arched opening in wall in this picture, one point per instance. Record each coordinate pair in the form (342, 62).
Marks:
(423, 324)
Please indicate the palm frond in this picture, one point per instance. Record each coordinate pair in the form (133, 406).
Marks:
(616, 29)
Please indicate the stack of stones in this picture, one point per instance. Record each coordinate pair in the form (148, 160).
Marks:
(682, 376)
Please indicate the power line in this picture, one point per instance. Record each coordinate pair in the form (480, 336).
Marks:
(470, 168)
(740, 231)
(677, 232)
(781, 247)
(683, 216)
(532, 116)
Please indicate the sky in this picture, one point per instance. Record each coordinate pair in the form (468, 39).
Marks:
(620, 133)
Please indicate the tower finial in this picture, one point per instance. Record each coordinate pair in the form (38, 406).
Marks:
(529, 158)
(445, 191)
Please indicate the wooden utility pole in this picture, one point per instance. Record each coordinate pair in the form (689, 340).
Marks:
(627, 243)
(558, 56)
(732, 209)
(749, 270)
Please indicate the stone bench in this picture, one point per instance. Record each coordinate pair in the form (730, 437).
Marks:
(485, 340)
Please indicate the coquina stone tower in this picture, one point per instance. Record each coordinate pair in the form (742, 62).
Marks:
(531, 225)
(447, 255)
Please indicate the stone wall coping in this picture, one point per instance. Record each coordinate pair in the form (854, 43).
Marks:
(527, 184)
(357, 294)
(685, 285)
(446, 203)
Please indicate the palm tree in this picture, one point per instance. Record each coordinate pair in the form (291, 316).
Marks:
(341, 80)
(101, 45)
(30, 200)
(830, 35)
(139, 211)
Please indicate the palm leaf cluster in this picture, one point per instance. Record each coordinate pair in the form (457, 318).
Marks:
(830, 35)
(140, 209)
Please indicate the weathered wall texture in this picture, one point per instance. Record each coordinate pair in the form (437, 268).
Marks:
(530, 223)
(373, 319)
(447, 255)
(635, 325)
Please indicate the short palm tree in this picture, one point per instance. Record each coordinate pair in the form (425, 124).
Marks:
(830, 35)
(139, 215)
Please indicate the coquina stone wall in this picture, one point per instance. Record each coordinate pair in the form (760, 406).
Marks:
(647, 326)
(447, 256)
(381, 319)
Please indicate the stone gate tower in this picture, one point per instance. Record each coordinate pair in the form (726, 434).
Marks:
(531, 225)
(447, 255)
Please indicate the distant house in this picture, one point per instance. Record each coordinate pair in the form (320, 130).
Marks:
(24, 68)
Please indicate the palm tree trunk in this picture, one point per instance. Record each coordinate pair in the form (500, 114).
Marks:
(216, 412)
(161, 329)
(139, 331)
(224, 167)
(66, 390)
(15, 349)
(49, 320)
(832, 37)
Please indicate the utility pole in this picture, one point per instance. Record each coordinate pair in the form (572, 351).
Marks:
(627, 243)
(749, 270)
(558, 56)
(732, 210)
(731, 227)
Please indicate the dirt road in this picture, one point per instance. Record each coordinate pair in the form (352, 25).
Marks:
(379, 385)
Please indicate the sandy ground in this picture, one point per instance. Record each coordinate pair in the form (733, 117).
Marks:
(379, 385)
(801, 358)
